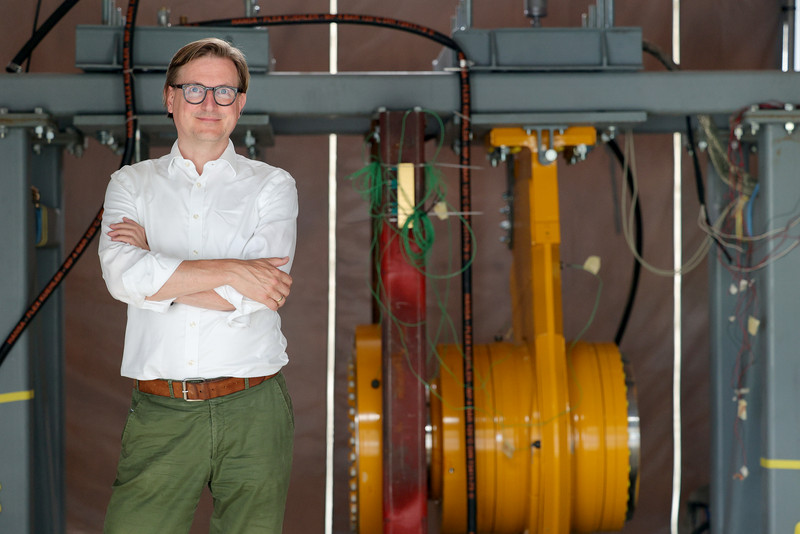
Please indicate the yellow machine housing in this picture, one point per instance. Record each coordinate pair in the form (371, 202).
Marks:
(556, 426)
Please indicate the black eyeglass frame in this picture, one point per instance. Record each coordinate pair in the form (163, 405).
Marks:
(205, 94)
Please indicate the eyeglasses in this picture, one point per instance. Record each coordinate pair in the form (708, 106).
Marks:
(195, 93)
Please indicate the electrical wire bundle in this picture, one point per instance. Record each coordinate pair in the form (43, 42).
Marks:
(417, 234)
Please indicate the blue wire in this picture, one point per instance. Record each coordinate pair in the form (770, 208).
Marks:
(749, 211)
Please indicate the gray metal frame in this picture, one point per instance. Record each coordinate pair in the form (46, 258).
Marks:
(317, 103)
(770, 435)
(31, 386)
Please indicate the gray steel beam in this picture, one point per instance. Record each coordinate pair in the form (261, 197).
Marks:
(316, 103)
(732, 499)
(47, 349)
(16, 284)
(779, 336)
(769, 437)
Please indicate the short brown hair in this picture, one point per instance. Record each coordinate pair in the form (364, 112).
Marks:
(210, 46)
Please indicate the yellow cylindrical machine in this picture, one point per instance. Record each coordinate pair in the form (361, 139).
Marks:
(556, 424)
(601, 452)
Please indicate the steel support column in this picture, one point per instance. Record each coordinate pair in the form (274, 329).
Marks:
(16, 288)
(732, 498)
(755, 362)
(47, 347)
(31, 379)
(778, 337)
(403, 330)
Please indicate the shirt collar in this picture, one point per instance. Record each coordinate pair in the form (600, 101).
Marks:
(228, 156)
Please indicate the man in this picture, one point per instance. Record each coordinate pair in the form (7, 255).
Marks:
(199, 244)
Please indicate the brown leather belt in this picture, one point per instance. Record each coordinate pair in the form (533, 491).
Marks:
(197, 389)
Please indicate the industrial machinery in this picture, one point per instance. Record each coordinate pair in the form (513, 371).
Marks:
(556, 428)
(534, 434)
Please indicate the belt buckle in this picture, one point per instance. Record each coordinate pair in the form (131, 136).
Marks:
(186, 391)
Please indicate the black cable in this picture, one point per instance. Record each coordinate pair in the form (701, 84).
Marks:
(698, 181)
(670, 65)
(33, 31)
(638, 245)
(465, 206)
(337, 18)
(26, 51)
(91, 231)
(128, 87)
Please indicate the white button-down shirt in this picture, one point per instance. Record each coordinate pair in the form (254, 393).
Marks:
(237, 208)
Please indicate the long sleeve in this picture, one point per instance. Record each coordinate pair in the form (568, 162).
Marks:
(274, 237)
(131, 273)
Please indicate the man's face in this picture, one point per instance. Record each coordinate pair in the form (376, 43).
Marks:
(207, 122)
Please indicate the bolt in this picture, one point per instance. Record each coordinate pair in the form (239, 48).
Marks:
(505, 225)
(702, 145)
(789, 127)
(38, 111)
(788, 106)
(249, 138)
(39, 130)
(738, 132)
(3, 131)
(550, 155)
(50, 135)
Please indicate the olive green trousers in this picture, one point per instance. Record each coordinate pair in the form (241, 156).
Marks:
(239, 445)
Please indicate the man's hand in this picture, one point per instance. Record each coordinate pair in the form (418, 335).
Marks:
(130, 232)
(262, 281)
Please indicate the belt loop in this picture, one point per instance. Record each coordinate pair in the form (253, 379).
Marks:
(246, 383)
(171, 392)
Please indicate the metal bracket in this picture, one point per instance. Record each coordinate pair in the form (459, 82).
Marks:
(43, 129)
(546, 154)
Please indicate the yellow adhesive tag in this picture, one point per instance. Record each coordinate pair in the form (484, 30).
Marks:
(440, 209)
(592, 264)
(405, 193)
(752, 325)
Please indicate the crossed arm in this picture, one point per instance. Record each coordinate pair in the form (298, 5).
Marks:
(193, 282)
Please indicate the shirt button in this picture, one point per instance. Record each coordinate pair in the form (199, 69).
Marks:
(193, 324)
(194, 252)
(199, 184)
(191, 362)
(195, 216)
(186, 163)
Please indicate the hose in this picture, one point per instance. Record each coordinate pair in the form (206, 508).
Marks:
(25, 52)
(465, 206)
(94, 226)
(639, 240)
(465, 203)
